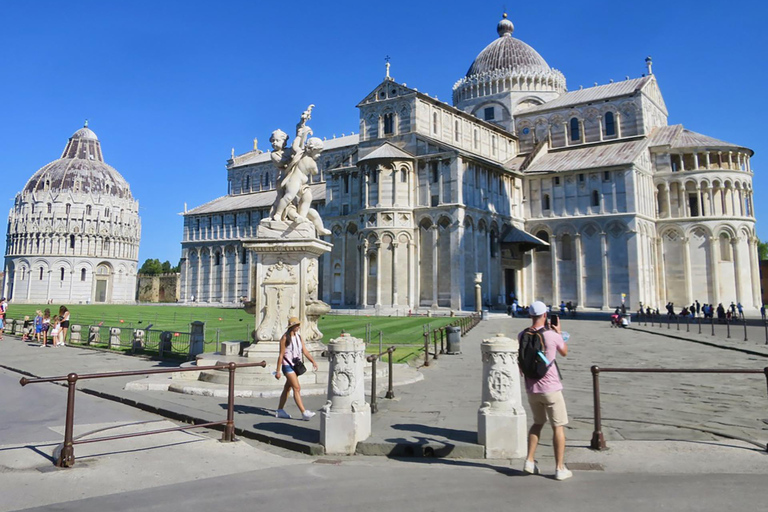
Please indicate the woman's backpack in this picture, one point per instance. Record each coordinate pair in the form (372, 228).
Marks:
(529, 358)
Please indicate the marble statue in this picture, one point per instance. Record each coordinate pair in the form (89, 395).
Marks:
(296, 164)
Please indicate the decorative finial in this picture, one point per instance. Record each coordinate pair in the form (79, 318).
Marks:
(255, 144)
(649, 64)
(386, 60)
(233, 153)
(85, 125)
(505, 27)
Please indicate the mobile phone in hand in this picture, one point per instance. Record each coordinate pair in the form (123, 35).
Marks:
(554, 320)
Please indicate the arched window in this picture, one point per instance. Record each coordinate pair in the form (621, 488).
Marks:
(389, 123)
(247, 184)
(545, 204)
(71, 241)
(566, 248)
(337, 278)
(82, 274)
(575, 130)
(609, 124)
(87, 209)
(544, 237)
(372, 265)
(68, 208)
(456, 132)
(725, 247)
(217, 260)
(62, 273)
(41, 273)
(434, 122)
(494, 243)
(403, 175)
(595, 198)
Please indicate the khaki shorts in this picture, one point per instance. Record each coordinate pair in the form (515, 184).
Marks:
(548, 405)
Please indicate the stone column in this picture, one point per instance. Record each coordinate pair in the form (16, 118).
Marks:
(413, 272)
(737, 268)
(662, 271)
(714, 253)
(48, 289)
(345, 420)
(379, 185)
(211, 261)
(434, 266)
(379, 272)
(579, 271)
(364, 276)
(394, 187)
(604, 251)
(478, 292)
(249, 269)
(71, 283)
(668, 199)
(614, 201)
(501, 419)
(555, 271)
(223, 285)
(687, 269)
(755, 273)
(394, 273)
(343, 269)
(365, 190)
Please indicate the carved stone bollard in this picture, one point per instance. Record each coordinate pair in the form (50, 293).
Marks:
(501, 419)
(138, 339)
(345, 419)
(75, 335)
(114, 337)
(197, 339)
(94, 335)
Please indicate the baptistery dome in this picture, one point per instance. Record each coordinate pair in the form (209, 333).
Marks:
(74, 231)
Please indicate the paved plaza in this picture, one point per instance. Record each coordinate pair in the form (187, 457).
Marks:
(673, 425)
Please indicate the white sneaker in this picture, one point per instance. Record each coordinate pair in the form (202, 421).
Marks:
(307, 414)
(531, 468)
(563, 474)
(282, 414)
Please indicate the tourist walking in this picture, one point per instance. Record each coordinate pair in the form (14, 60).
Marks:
(38, 324)
(545, 395)
(289, 362)
(46, 326)
(740, 308)
(64, 326)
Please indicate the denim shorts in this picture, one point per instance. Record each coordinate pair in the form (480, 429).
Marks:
(287, 369)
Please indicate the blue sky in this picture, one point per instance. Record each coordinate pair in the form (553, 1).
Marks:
(170, 87)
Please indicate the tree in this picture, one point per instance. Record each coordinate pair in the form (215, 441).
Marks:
(151, 267)
(762, 250)
(166, 267)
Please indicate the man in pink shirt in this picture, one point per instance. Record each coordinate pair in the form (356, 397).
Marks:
(545, 395)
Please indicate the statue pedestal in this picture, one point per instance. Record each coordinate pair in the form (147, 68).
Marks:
(285, 285)
(501, 419)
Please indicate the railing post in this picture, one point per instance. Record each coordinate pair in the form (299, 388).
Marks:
(426, 348)
(712, 321)
(229, 430)
(687, 324)
(699, 320)
(728, 327)
(391, 388)
(374, 405)
(434, 341)
(442, 344)
(67, 455)
(598, 441)
(745, 329)
(669, 321)
(677, 321)
(765, 324)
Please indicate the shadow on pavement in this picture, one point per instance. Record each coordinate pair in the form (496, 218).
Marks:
(461, 436)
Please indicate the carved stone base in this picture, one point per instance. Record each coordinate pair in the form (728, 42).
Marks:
(341, 431)
(503, 433)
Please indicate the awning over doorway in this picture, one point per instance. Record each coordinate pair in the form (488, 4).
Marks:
(521, 240)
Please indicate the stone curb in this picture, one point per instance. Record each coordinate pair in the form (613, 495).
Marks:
(700, 342)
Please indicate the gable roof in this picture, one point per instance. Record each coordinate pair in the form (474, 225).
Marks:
(387, 151)
(256, 200)
(591, 94)
(589, 157)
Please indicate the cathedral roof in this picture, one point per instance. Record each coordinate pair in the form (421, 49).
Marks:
(591, 94)
(589, 157)
(387, 151)
(81, 168)
(228, 204)
(255, 157)
(677, 137)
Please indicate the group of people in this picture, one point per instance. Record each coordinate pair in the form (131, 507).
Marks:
(516, 309)
(46, 329)
(733, 311)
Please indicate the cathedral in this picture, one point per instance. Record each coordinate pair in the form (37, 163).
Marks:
(534, 191)
(73, 231)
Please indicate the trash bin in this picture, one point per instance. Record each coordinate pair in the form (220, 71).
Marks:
(454, 339)
(166, 343)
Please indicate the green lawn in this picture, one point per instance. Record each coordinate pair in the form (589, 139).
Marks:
(235, 324)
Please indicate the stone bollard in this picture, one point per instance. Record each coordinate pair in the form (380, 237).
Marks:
(138, 339)
(75, 333)
(196, 339)
(114, 337)
(345, 419)
(501, 419)
(94, 335)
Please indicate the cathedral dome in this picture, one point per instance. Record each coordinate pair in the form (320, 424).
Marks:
(81, 168)
(507, 53)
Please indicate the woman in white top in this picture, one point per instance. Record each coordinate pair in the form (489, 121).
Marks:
(291, 349)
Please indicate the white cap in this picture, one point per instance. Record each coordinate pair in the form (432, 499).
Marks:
(538, 308)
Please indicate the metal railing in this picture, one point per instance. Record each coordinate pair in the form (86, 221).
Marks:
(643, 318)
(465, 323)
(390, 389)
(598, 440)
(67, 455)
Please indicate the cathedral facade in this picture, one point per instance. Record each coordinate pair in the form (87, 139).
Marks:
(73, 232)
(587, 196)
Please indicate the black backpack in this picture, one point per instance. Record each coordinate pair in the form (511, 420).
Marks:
(531, 363)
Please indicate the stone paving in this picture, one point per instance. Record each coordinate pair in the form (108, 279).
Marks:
(438, 415)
